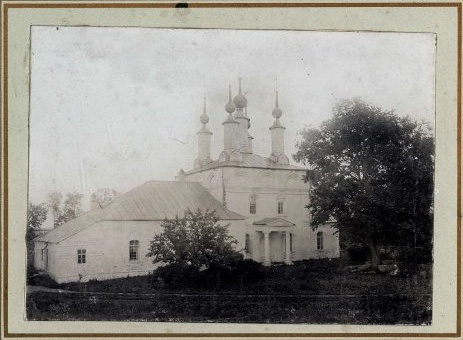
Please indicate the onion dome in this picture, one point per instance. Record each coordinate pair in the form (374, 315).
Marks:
(204, 117)
(230, 106)
(276, 113)
(240, 100)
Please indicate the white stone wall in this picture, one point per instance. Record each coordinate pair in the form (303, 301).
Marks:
(39, 260)
(268, 186)
(107, 251)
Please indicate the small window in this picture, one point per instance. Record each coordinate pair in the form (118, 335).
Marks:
(320, 240)
(247, 244)
(133, 250)
(252, 205)
(81, 256)
(280, 207)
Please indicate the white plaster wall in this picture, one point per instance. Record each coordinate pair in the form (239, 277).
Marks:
(107, 250)
(269, 186)
(39, 262)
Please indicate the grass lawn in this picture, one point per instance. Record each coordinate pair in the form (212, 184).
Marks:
(314, 291)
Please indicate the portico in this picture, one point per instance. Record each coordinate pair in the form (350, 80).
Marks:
(266, 227)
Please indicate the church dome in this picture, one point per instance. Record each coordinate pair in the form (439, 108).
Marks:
(204, 118)
(276, 113)
(240, 101)
(230, 107)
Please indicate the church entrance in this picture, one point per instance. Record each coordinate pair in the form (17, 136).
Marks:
(275, 240)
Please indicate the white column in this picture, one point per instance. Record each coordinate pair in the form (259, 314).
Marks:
(288, 248)
(267, 261)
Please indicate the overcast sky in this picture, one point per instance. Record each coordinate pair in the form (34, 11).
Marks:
(116, 107)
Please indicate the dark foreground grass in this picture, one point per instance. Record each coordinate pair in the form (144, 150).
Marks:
(230, 308)
(308, 292)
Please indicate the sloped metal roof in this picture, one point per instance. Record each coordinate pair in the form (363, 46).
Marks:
(152, 201)
(249, 161)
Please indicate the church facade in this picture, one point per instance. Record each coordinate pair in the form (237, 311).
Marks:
(262, 198)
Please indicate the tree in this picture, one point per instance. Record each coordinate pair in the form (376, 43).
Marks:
(71, 208)
(103, 197)
(195, 240)
(54, 200)
(36, 215)
(64, 211)
(372, 172)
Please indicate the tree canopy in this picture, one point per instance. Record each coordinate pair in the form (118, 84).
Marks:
(372, 172)
(67, 210)
(103, 197)
(36, 215)
(195, 239)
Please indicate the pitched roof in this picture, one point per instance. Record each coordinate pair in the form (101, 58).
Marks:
(249, 161)
(274, 222)
(152, 201)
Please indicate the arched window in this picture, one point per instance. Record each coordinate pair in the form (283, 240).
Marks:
(133, 250)
(252, 205)
(320, 240)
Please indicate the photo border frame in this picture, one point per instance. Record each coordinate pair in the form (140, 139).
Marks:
(7, 189)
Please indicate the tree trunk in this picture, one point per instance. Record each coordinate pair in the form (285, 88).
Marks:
(375, 258)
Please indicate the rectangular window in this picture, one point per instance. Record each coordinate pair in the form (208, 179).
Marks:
(81, 256)
(133, 250)
(320, 240)
(252, 208)
(280, 208)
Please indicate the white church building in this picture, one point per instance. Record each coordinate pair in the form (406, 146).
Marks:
(263, 199)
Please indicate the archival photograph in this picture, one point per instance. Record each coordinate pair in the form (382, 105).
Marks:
(230, 176)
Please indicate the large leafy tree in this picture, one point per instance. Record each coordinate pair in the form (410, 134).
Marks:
(54, 201)
(72, 207)
(66, 210)
(36, 215)
(103, 197)
(197, 239)
(372, 172)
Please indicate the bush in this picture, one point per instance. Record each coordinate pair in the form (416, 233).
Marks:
(175, 276)
(237, 274)
(38, 278)
(358, 254)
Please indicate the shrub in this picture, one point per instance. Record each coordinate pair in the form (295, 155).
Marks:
(358, 254)
(237, 274)
(176, 275)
